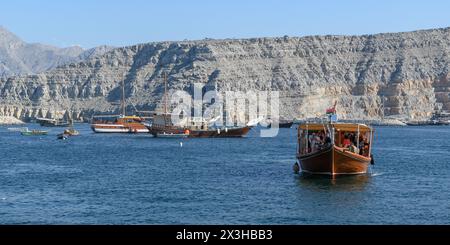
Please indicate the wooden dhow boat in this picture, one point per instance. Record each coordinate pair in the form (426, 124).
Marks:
(333, 148)
(119, 123)
(162, 125)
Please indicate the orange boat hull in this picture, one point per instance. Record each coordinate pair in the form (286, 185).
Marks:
(334, 161)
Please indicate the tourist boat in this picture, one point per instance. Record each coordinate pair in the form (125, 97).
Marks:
(51, 122)
(162, 125)
(332, 148)
(118, 123)
(34, 132)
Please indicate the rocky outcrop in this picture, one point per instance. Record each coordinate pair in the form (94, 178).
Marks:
(18, 57)
(9, 120)
(370, 77)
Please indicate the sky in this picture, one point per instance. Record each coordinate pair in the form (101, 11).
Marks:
(90, 23)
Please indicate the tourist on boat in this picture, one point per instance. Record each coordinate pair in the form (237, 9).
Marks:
(309, 145)
(361, 144)
(315, 141)
(352, 138)
(366, 147)
(321, 141)
(346, 142)
(353, 148)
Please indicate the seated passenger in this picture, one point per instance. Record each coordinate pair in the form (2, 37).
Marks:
(314, 143)
(346, 143)
(366, 148)
(354, 149)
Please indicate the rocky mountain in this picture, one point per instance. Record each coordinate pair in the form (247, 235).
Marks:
(370, 77)
(18, 57)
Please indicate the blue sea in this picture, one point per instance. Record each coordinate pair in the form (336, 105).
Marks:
(137, 179)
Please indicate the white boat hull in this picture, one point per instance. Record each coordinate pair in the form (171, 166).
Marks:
(106, 128)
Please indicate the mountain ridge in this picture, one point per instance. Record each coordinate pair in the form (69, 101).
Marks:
(403, 75)
(18, 57)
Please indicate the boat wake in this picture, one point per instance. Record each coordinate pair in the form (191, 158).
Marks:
(376, 174)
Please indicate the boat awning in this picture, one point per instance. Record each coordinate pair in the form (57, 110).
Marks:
(352, 127)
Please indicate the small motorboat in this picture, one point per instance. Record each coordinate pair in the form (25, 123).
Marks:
(34, 132)
(281, 123)
(71, 132)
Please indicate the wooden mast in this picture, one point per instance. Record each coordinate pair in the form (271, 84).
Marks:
(165, 93)
(123, 97)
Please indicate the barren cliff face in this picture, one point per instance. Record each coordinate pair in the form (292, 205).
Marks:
(372, 76)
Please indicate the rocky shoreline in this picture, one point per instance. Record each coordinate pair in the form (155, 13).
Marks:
(9, 120)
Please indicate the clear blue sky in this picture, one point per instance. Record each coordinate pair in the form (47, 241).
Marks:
(90, 23)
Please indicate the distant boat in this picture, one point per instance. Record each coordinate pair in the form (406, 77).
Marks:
(47, 122)
(67, 133)
(282, 123)
(34, 132)
(162, 127)
(285, 124)
(71, 132)
(118, 123)
(192, 127)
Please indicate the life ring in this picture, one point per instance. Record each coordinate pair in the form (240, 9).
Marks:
(186, 131)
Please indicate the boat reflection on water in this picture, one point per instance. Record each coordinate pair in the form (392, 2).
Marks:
(336, 182)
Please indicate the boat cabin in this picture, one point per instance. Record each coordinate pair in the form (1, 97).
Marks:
(354, 138)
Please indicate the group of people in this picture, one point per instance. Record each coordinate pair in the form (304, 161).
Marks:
(318, 140)
(354, 144)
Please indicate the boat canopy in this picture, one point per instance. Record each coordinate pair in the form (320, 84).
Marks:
(352, 127)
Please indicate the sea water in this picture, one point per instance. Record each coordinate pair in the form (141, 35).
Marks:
(137, 179)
